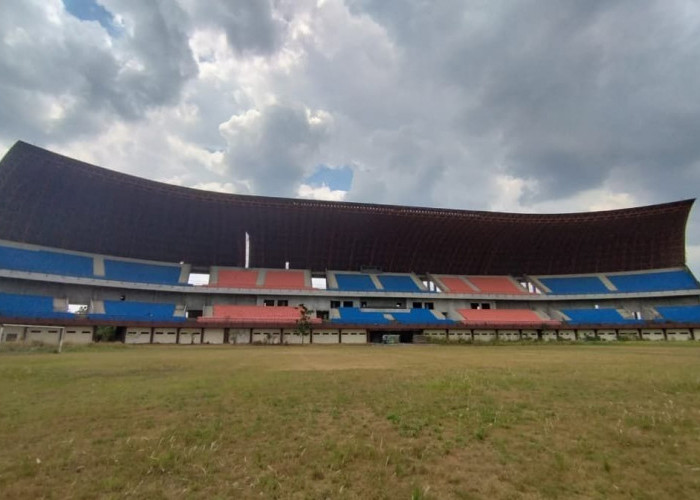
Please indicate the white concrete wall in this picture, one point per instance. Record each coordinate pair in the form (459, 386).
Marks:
(459, 336)
(325, 337)
(549, 335)
(484, 335)
(628, 334)
(267, 335)
(567, 335)
(440, 335)
(696, 333)
(677, 334)
(213, 336)
(653, 334)
(351, 336)
(43, 334)
(585, 334)
(508, 335)
(137, 335)
(82, 335)
(291, 336)
(165, 335)
(239, 336)
(528, 335)
(190, 336)
(12, 333)
(606, 335)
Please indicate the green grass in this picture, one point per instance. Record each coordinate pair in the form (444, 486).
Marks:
(541, 421)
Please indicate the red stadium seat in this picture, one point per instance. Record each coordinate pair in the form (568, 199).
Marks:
(504, 317)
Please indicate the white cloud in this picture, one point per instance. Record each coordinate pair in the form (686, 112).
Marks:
(322, 192)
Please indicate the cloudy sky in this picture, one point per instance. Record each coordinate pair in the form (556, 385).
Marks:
(515, 105)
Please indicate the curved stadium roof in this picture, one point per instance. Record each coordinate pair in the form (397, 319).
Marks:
(51, 200)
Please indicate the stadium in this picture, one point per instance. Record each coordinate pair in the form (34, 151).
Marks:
(83, 247)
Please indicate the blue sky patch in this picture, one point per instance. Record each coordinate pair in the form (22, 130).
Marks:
(90, 10)
(336, 178)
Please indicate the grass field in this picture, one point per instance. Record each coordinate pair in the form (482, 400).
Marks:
(567, 421)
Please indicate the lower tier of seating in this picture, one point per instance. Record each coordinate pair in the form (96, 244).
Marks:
(255, 314)
(505, 316)
(355, 316)
(597, 316)
(680, 314)
(30, 306)
(116, 310)
(421, 317)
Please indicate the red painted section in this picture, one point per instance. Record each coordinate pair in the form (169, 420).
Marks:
(255, 314)
(496, 284)
(237, 278)
(285, 280)
(455, 284)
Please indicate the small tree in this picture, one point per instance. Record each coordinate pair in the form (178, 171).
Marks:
(304, 322)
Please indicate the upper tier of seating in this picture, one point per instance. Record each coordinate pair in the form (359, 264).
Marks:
(236, 278)
(272, 279)
(398, 283)
(564, 285)
(657, 281)
(139, 272)
(44, 261)
(83, 266)
(281, 279)
(355, 282)
(30, 306)
(597, 316)
(455, 284)
(652, 281)
(137, 311)
(680, 314)
(255, 314)
(474, 285)
(504, 317)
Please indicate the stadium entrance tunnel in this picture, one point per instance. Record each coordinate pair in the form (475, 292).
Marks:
(392, 337)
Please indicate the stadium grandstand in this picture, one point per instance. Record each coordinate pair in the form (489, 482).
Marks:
(83, 247)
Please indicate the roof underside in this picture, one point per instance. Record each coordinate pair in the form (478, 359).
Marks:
(48, 199)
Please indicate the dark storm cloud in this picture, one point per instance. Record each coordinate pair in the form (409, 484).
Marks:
(573, 90)
(62, 77)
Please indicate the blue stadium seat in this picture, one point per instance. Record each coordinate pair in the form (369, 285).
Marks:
(420, 317)
(138, 311)
(574, 285)
(593, 316)
(141, 273)
(354, 315)
(29, 306)
(680, 314)
(355, 282)
(654, 282)
(44, 261)
(394, 283)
